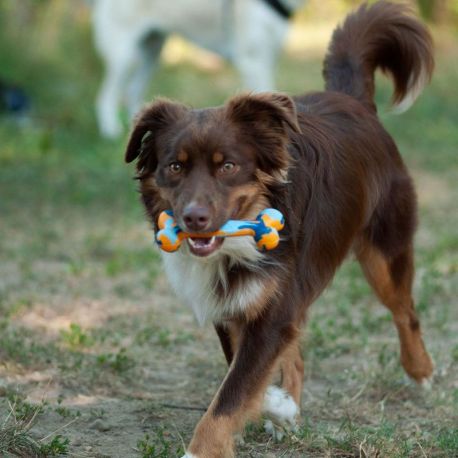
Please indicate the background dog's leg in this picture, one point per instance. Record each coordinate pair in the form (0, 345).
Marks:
(256, 48)
(119, 60)
(142, 73)
(256, 70)
(391, 279)
(239, 398)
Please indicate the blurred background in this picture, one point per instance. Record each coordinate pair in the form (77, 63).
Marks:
(96, 356)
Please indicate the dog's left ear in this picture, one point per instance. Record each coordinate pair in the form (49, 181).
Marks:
(265, 121)
(271, 110)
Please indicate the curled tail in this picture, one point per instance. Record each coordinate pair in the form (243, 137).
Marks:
(384, 36)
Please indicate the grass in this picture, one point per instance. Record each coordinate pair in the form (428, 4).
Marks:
(15, 435)
(88, 322)
(159, 446)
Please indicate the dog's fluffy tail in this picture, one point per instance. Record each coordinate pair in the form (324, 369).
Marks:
(384, 36)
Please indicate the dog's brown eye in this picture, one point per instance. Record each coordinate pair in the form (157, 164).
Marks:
(175, 167)
(227, 167)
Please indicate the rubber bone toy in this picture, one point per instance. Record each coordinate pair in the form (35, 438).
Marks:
(264, 230)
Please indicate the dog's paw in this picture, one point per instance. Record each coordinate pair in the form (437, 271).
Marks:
(283, 412)
(277, 431)
(281, 406)
(425, 383)
(189, 455)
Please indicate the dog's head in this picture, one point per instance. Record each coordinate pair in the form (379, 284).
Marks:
(211, 165)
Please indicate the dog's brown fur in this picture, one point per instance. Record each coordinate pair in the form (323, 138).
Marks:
(325, 161)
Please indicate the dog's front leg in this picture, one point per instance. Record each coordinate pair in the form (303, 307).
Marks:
(241, 393)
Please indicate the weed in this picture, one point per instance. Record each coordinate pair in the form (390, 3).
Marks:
(16, 437)
(447, 440)
(161, 445)
(65, 412)
(455, 353)
(319, 340)
(386, 358)
(13, 308)
(162, 336)
(16, 345)
(75, 338)
(119, 362)
(57, 446)
(98, 413)
(430, 287)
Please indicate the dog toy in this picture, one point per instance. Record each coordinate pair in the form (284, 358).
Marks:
(264, 230)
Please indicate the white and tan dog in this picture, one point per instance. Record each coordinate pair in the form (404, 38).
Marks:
(130, 35)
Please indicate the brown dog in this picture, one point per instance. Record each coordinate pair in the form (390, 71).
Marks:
(325, 161)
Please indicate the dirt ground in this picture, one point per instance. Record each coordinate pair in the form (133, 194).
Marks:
(120, 368)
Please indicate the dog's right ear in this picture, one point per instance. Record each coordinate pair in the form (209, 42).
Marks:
(149, 122)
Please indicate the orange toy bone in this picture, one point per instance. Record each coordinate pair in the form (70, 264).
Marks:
(264, 230)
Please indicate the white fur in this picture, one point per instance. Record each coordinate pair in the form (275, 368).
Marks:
(426, 383)
(247, 32)
(280, 405)
(414, 89)
(194, 279)
(276, 432)
(189, 455)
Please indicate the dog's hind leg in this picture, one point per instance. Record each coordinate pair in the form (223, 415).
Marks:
(292, 371)
(391, 278)
(282, 404)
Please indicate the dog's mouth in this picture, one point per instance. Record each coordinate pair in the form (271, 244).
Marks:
(204, 246)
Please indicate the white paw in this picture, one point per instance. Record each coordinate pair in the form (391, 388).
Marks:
(277, 431)
(426, 383)
(189, 455)
(423, 384)
(281, 406)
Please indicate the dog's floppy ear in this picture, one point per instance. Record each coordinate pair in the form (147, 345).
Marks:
(275, 110)
(265, 120)
(149, 122)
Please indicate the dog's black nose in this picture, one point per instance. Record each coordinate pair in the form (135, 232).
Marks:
(196, 218)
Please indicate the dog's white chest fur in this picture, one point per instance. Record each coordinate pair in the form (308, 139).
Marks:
(195, 279)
